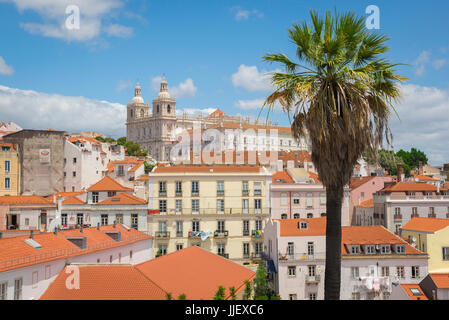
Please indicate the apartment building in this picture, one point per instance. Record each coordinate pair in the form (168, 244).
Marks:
(221, 208)
(26, 212)
(29, 264)
(126, 171)
(297, 193)
(105, 202)
(430, 235)
(9, 170)
(86, 161)
(364, 213)
(397, 203)
(372, 259)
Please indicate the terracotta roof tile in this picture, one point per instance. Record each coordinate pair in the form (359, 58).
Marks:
(315, 227)
(108, 184)
(24, 200)
(282, 177)
(143, 177)
(408, 290)
(195, 272)
(122, 199)
(367, 204)
(441, 280)
(105, 282)
(73, 200)
(410, 186)
(206, 168)
(422, 177)
(426, 224)
(358, 181)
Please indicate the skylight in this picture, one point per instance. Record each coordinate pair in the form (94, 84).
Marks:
(33, 243)
(416, 292)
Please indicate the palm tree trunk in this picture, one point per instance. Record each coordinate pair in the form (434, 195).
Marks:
(334, 196)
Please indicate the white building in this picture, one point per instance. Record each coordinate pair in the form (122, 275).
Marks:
(126, 171)
(86, 161)
(372, 259)
(28, 264)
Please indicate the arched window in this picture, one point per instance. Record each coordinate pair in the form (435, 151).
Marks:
(142, 113)
(310, 215)
(157, 108)
(168, 109)
(284, 216)
(323, 214)
(131, 112)
(296, 216)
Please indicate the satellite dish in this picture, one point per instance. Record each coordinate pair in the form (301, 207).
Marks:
(414, 239)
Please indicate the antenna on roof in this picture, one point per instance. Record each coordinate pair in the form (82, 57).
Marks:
(31, 234)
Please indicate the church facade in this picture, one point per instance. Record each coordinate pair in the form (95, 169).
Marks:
(158, 129)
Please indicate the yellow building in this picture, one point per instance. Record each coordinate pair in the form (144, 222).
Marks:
(9, 170)
(222, 208)
(430, 235)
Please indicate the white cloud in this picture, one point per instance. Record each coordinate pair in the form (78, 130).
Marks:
(184, 89)
(54, 16)
(251, 79)
(242, 14)
(120, 31)
(421, 61)
(250, 104)
(4, 68)
(123, 85)
(37, 110)
(439, 63)
(424, 122)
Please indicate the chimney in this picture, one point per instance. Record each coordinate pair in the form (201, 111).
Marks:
(98, 226)
(31, 234)
(399, 174)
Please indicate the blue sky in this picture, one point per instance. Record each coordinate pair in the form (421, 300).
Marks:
(210, 52)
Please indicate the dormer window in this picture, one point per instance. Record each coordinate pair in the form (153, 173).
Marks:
(400, 248)
(355, 249)
(385, 249)
(303, 225)
(370, 249)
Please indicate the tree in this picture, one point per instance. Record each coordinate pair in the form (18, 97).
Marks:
(248, 290)
(121, 141)
(232, 293)
(261, 283)
(341, 91)
(220, 294)
(412, 158)
(148, 167)
(168, 296)
(182, 296)
(100, 138)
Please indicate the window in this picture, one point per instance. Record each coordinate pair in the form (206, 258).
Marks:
(445, 253)
(104, 219)
(414, 210)
(163, 206)
(312, 296)
(74, 160)
(258, 224)
(179, 246)
(64, 219)
(245, 205)
(178, 188)
(292, 271)
(220, 188)
(385, 271)
(196, 225)
(257, 188)
(168, 108)
(221, 249)
(310, 215)
(162, 188)
(284, 201)
(3, 290)
(397, 211)
(79, 219)
(162, 248)
(35, 279)
(220, 206)
(296, 216)
(245, 188)
(7, 183)
(290, 249)
(400, 272)
(258, 247)
(130, 254)
(18, 289)
(309, 203)
(110, 259)
(400, 249)
(354, 272)
(27, 221)
(245, 250)
(246, 227)
(7, 165)
(257, 205)
(94, 197)
(195, 188)
(303, 225)
(311, 270)
(195, 206)
(310, 248)
(431, 210)
(370, 249)
(121, 171)
(134, 221)
(284, 216)
(119, 218)
(178, 206)
(323, 198)
(385, 249)
(220, 226)
(296, 198)
(111, 193)
(355, 249)
(415, 272)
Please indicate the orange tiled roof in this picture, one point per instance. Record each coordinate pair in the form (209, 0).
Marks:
(216, 114)
(358, 181)
(15, 253)
(410, 186)
(143, 177)
(108, 184)
(73, 200)
(200, 275)
(282, 177)
(366, 204)
(64, 194)
(105, 282)
(137, 166)
(4, 144)
(441, 280)
(426, 224)
(314, 176)
(315, 227)
(372, 235)
(207, 168)
(422, 177)
(84, 139)
(407, 288)
(121, 199)
(24, 200)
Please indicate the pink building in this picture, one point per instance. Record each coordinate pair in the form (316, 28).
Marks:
(297, 193)
(373, 259)
(362, 189)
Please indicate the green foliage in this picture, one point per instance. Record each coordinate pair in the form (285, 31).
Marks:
(248, 290)
(168, 296)
(148, 167)
(389, 160)
(232, 292)
(412, 158)
(261, 283)
(100, 138)
(220, 294)
(121, 141)
(182, 297)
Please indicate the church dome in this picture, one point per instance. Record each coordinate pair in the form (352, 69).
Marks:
(137, 95)
(163, 94)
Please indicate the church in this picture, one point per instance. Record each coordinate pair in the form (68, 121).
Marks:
(157, 129)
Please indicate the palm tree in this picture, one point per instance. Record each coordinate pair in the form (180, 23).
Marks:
(341, 93)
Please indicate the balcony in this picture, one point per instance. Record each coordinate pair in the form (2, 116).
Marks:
(415, 215)
(246, 255)
(246, 232)
(257, 192)
(178, 193)
(161, 235)
(432, 215)
(195, 193)
(256, 255)
(220, 193)
(397, 217)
(162, 193)
(179, 233)
(313, 279)
(220, 233)
(256, 233)
(245, 193)
(302, 256)
(224, 255)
